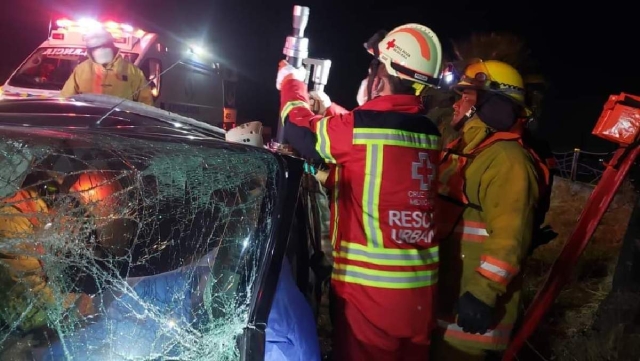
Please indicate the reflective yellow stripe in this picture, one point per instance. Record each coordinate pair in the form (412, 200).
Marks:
(336, 217)
(374, 252)
(323, 144)
(384, 279)
(388, 256)
(371, 195)
(290, 105)
(370, 136)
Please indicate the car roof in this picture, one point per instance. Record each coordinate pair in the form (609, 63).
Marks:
(100, 112)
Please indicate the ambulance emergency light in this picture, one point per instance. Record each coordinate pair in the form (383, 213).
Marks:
(86, 25)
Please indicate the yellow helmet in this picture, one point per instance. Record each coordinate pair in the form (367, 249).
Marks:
(495, 76)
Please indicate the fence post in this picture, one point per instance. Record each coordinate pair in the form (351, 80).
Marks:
(574, 164)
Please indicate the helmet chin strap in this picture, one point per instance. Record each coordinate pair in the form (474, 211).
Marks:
(468, 115)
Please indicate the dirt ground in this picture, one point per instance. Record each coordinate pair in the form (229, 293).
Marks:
(559, 335)
(572, 315)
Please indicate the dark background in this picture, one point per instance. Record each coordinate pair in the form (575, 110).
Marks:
(587, 51)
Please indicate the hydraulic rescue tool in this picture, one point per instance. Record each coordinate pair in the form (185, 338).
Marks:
(296, 51)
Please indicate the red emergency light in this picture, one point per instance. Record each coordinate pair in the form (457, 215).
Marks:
(86, 25)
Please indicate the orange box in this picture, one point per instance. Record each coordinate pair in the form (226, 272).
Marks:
(620, 119)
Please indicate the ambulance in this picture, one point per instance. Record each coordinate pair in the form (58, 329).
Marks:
(184, 78)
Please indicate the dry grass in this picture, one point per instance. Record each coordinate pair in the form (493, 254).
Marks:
(574, 311)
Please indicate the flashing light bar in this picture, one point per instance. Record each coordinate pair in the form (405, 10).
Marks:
(87, 25)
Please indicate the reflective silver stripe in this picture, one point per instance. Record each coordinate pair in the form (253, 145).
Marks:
(336, 209)
(501, 272)
(395, 137)
(385, 257)
(384, 279)
(472, 230)
(323, 144)
(370, 199)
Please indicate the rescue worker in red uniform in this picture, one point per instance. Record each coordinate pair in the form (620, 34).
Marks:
(383, 192)
(489, 188)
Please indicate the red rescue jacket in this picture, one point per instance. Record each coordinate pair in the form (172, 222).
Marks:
(385, 254)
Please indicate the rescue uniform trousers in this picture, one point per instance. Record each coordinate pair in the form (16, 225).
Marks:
(356, 339)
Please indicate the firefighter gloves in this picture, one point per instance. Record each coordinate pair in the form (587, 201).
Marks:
(285, 70)
(474, 316)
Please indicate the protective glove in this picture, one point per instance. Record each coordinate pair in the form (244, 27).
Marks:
(474, 316)
(542, 236)
(320, 101)
(285, 70)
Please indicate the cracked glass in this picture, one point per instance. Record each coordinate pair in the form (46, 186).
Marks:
(122, 248)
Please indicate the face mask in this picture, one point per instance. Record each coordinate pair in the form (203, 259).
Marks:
(362, 92)
(103, 55)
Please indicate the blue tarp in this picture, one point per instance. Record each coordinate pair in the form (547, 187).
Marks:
(291, 333)
(291, 328)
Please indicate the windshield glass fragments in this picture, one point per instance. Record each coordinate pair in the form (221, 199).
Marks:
(121, 249)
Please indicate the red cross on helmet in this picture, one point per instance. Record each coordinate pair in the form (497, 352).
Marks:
(413, 52)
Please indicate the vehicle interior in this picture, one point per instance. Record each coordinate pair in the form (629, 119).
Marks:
(138, 237)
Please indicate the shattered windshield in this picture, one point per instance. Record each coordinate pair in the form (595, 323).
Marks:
(119, 249)
(49, 68)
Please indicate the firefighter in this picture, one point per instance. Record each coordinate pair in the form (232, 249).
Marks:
(489, 187)
(383, 195)
(107, 72)
(25, 294)
(24, 291)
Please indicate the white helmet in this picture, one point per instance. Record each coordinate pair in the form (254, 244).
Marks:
(413, 52)
(98, 37)
(247, 133)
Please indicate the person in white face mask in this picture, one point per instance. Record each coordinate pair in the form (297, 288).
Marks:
(361, 97)
(107, 72)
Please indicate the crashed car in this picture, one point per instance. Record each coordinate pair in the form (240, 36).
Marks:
(131, 233)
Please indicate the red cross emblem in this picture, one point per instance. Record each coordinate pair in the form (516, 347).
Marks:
(391, 44)
(425, 176)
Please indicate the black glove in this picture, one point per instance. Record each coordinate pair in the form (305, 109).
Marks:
(474, 316)
(542, 236)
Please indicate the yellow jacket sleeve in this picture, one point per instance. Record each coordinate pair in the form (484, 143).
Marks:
(70, 86)
(24, 292)
(25, 295)
(508, 197)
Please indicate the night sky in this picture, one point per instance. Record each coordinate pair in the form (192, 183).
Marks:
(586, 51)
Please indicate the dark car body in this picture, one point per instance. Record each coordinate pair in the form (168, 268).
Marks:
(251, 193)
